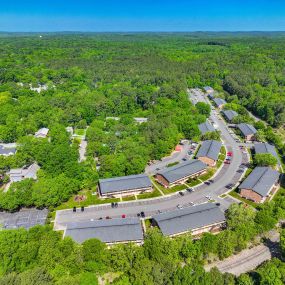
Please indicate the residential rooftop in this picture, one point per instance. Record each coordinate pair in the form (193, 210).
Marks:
(42, 133)
(230, 114)
(247, 129)
(181, 170)
(261, 180)
(18, 174)
(219, 101)
(187, 219)
(210, 148)
(265, 148)
(108, 231)
(208, 88)
(124, 183)
(206, 127)
(7, 149)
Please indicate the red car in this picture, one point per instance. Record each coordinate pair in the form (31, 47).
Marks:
(123, 216)
(227, 162)
(229, 153)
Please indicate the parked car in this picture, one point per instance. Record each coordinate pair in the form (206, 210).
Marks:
(229, 186)
(142, 214)
(181, 193)
(190, 190)
(207, 182)
(227, 162)
(179, 206)
(229, 153)
(184, 159)
(123, 216)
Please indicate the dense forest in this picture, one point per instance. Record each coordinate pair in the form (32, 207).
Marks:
(89, 77)
(41, 257)
(86, 78)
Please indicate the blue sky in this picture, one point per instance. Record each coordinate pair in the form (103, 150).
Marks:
(142, 15)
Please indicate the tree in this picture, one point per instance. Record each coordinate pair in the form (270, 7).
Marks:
(240, 214)
(265, 159)
(244, 279)
(203, 108)
(211, 136)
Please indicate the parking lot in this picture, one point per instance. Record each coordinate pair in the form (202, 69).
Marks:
(25, 218)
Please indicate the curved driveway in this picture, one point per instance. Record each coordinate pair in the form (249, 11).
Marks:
(227, 175)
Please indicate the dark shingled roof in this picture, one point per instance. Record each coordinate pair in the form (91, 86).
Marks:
(208, 88)
(230, 114)
(181, 170)
(260, 180)
(265, 148)
(124, 183)
(187, 219)
(219, 101)
(7, 151)
(206, 127)
(109, 231)
(247, 129)
(210, 149)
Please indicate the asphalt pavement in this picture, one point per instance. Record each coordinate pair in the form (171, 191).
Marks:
(226, 175)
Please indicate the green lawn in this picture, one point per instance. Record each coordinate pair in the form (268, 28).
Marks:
(80, 132)
(192, 182)
(153, 194)
(236, 195)
(172, 164)
(90, 200)
(207, 175)
(129, 198)
(174, 189)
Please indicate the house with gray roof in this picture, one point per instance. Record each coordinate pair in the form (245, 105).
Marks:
(180, 173)
(260, 147)
(198, 219)
(124, 186)
(209, 152)
(229, 115)
(7, 149)
(247, 131)
(42, 133)
(219, 102)
(110, 231)
(260, 183)
(18, 174)
(206, 127)
(208, 89)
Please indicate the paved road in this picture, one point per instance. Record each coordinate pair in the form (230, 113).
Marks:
(248, 259)
(227, 174)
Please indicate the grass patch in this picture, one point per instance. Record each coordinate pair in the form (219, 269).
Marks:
(174, 189)
(193, 182)
(153, 194)
(207, 175)
(129, 198)
(236, 195)
(172, 164)
(147, 224)
(90, 200)
(79, 132)
(223, 195)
